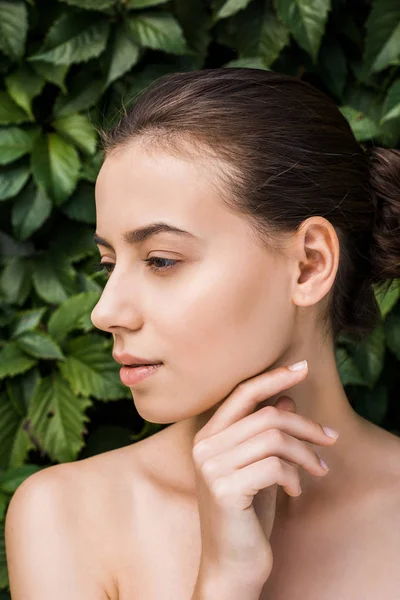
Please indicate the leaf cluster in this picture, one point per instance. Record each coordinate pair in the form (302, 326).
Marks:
(66, 68)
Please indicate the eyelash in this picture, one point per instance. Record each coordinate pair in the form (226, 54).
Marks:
(104, 266)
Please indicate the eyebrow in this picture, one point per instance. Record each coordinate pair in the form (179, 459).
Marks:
(138, 236)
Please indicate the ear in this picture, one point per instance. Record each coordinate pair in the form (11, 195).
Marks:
(317, 254)
(286, 403)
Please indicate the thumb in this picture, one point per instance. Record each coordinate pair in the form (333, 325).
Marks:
(286, 403)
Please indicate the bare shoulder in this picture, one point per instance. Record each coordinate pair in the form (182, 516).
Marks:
(51, 543)
(381, 460)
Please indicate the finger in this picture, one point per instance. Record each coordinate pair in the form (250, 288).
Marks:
(268, 443)
(265, 419)
(245, 397)
(238, 489)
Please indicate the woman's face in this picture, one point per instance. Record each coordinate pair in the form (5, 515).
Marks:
(220, 315)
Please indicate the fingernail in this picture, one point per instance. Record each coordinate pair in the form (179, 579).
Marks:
(299, 366)
(323, 464)
(331, 432)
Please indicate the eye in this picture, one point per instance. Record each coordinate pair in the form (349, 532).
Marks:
(105, 267)
(151, 263)
(154, 259)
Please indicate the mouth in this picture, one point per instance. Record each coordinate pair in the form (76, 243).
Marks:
(131, 375)
(143, 365)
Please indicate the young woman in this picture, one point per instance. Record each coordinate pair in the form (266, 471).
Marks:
(243, 226)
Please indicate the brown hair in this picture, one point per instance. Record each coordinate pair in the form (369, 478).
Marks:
(285, 153)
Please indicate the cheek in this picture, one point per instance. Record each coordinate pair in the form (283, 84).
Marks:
(223, 330)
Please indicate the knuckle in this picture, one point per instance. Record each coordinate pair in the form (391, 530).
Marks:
(198, 449)
(219, 488)
(276, 465)
(268, 413)
(209, 468)
(276, 435)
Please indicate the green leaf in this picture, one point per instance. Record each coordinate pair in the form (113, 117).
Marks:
(270, 38)
(349, 372)
(17, 434)
(82, 95)
(13, 361)
(3, 505)
(90, 368)
(13, 28)
(229, 8)
(91, 4)
(88, 284)
(74, 38)
(247, 62)
(364, 128)
(392, 332)
(9, 248)
(143, 3)
(142, 78)
(12, 180)
(39, 345)
(21, 388)
(257, 35)
(24, 85)
(387, 296)
(4, 580)
(53, 278)
(160, 31)
(11, 113)
(55, 166)
(79, 130)
(370, 354)
(11, 479)
(195, 19)
(122, 55)
(81, 206)
(27, 320)
(91, 167)
(391, 105)
(306, 20)
(70, 314)
(30, 210)
(15, 142)
(382, 42)
(57, 417)
(374, 403)
(10, 421)
(53, 73)
(15, 280)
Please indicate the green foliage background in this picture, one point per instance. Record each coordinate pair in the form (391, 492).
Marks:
(69, 66)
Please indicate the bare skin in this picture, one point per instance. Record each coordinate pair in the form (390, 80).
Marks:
(230, 310)
(339, 539)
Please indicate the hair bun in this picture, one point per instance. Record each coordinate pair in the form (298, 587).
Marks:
(384, 169)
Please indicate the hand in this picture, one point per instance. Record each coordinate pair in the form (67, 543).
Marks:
(240, 452)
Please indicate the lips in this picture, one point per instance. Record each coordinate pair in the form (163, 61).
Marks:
(142, 365)
(130, 360)
(133, 375)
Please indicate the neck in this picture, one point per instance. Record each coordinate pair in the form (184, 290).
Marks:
(321, 398)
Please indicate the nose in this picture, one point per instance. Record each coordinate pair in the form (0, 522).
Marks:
(115, 308)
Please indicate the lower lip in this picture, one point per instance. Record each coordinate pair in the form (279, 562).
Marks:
(132, 375)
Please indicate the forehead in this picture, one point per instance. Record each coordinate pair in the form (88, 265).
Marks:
(135, 187)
